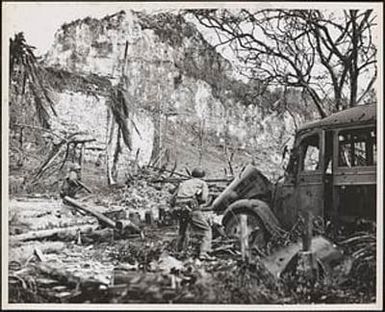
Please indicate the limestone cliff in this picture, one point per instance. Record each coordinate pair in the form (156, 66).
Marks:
(179, 89)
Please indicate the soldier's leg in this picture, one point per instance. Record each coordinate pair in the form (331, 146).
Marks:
(183, 225)
(202, 227)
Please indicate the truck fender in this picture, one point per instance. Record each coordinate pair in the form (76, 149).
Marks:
(257, 207)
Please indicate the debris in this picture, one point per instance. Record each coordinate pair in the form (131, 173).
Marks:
(39, 255)
(167, 263)
(126, 227)
(323, 249)
(108, 269)
(65, 277)
(102, 235)
(44, 234)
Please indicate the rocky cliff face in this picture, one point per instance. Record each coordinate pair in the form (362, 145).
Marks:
(178, 87)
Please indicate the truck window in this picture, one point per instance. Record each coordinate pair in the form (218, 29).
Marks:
(357, 147)
(310, 156)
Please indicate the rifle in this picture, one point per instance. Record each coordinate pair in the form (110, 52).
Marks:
(84, 186)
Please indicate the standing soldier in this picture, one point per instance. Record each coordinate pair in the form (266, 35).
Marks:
(188, 198)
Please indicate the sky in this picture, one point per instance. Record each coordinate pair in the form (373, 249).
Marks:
(40, 21)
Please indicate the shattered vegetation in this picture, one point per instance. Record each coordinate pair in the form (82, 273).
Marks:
(118, 243)
(97, 265)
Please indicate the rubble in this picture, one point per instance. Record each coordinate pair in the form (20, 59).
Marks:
(97, 265)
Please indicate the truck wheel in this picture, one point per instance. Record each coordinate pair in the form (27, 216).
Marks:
(255, 229)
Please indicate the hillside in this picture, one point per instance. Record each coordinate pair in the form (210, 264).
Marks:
(181, 104)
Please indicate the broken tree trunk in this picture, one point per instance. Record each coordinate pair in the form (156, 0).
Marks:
(135, 164)
(81, 206)
(178, 180)
(109, 137)
(52, 156)
(307, 260)
(308, 232)
(244, 237)
(81, 157)
(71, 231)
(66, 277)
(120, 226)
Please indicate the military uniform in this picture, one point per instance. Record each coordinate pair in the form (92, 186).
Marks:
(189, 195)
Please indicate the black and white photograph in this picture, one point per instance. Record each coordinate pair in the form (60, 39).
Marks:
(192, 155)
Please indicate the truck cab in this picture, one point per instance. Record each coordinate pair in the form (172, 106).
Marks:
(332, 169)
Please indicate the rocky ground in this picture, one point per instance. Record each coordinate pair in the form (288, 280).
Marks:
(58, 254)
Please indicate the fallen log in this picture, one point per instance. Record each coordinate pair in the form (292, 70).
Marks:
(21, 254)
(177, 180)
(67, 278)
(36, 235)
(120, 226)
(101, 217)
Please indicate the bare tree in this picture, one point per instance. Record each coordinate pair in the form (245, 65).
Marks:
(331, 57)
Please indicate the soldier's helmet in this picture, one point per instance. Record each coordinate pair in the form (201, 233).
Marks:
(198, 173)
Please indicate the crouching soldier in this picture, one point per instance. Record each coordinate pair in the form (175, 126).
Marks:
(71, 185)
(187, 199)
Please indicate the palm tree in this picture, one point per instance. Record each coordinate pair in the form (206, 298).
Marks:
(26, 78)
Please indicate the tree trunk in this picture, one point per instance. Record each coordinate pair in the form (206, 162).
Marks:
(52, 156)
(201, 141)
(81, 159)
(118, 150)
(81, 206)
(353, 71)
(316, 100)
(43, 234)
(109, 137)
(156, 149)
(21, 137)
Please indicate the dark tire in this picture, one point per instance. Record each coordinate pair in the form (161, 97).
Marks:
(255, 228)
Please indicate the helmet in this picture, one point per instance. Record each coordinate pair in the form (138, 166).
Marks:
(198, 173)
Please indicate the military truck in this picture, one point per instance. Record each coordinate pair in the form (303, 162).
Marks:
(331, 173)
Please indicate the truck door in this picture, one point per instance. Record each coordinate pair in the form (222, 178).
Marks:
(310, 177)
(355, 168)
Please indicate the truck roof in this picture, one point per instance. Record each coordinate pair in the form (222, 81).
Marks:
(361, 114)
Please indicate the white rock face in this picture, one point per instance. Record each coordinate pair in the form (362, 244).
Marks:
(142, 141)
(179, 76)
(79, 112)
